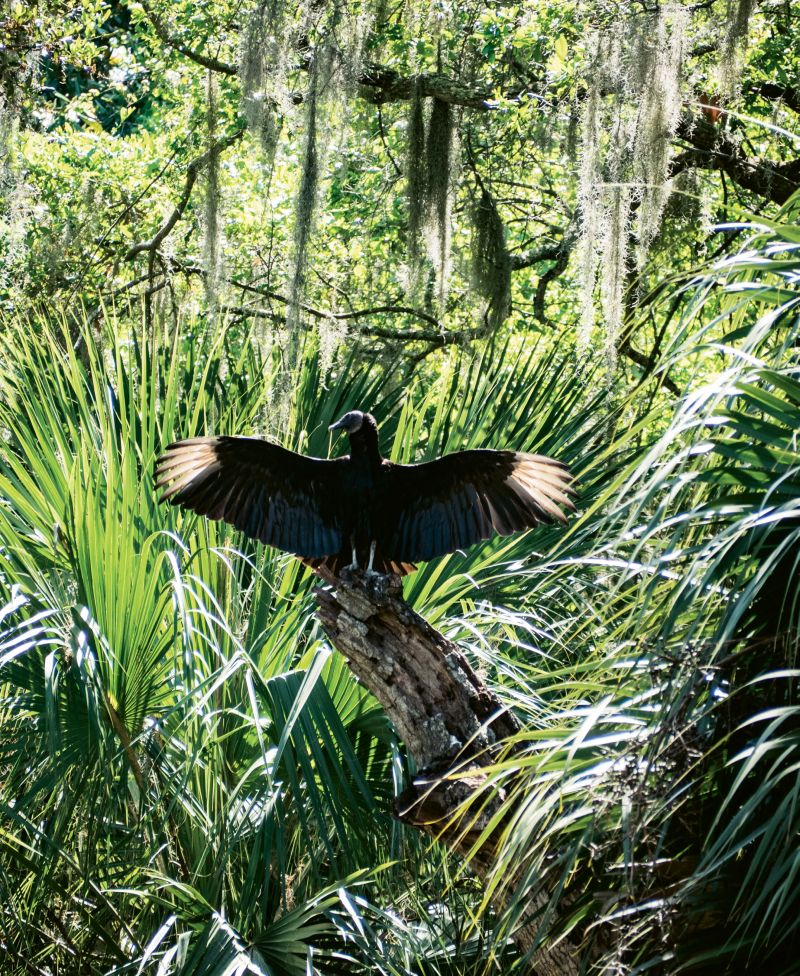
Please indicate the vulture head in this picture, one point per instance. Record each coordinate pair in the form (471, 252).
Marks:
(351, 422)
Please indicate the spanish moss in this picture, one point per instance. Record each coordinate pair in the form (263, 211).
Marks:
(306, 203)
(264, 64)
(630, 116)
(16, 200)
(734, 43)
(438, 181)
(614, 276)
(332, 333)
(661, 50)
(589, 210)
(212, 244)
(491, 265)
(351, 37)
(415, 187)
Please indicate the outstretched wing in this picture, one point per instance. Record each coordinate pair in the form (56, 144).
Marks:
(455, 501)
(281, 498)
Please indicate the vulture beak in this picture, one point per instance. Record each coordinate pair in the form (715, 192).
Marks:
(339, 425)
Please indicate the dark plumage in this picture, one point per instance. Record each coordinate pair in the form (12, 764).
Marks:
(362, 508)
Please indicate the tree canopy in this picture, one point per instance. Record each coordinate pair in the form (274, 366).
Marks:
(448, 167)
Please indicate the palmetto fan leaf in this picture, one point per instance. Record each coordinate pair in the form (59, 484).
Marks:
(659, 765)
(178, 740)
(139, 739)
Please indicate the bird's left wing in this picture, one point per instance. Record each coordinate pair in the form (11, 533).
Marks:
(455, 501)
(272, 494)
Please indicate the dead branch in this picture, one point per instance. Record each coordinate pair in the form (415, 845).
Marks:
(450, 722)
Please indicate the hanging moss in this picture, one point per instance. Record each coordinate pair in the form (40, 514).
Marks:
(630, 115)
(614, 231)
(251, 64)
(613, 279)
(264, 64)
(306, 203)
(352, 32)
(491, 265)
(660, 53)
(415, 186)
(332, 333)
(16, 196)
(589, 213)
(212, 248)
(734, 42)
(438, 155)
(438, 181)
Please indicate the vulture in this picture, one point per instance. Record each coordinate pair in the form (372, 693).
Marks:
(362, 510)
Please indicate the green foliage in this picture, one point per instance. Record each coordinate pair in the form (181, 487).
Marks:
(179, 747)
(661, 767)
(159, 744)
(190, 778)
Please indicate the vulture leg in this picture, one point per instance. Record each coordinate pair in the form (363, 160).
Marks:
(370, 570)
(354, 563)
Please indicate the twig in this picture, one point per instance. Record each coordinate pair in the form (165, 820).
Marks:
(192, 172)
(205, 60)
(317, 313)
(392, 160)
(435, 339)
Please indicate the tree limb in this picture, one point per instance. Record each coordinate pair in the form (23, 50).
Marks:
(450, 722)
(648, 364)
(545, 252)
(714, 148)
(204, 60)
(439, 337)
(379, 84)
(193, 170)
(436, 340)
(790, 96)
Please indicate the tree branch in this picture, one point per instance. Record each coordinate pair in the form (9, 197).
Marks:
(545, 252)
(788, 95)
(714, 148)
(204, 60)
(450, 722)
(648, 364)
(379, 84)
(557, 268)
(436, 340)
(193, 170)
(438, 336)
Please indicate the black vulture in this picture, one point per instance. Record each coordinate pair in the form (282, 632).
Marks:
(362, 509)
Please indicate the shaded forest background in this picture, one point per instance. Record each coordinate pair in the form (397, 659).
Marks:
(569, 229)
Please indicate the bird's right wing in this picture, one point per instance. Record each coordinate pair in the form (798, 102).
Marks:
(457, 500)
(272, 494)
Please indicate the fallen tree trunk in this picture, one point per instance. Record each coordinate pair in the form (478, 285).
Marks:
(448, 719)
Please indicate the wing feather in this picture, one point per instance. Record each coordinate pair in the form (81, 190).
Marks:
(271, 494)
(457, 500)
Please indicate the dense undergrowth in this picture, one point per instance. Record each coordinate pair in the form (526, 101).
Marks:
(191, 781)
